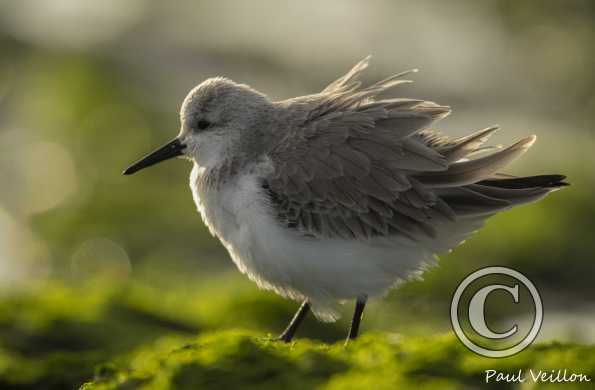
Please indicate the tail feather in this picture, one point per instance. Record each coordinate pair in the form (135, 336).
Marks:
(514, 196)
(465, 146)
(467, 202)
(487, 197)
(473, 204)
(543, 181)
(472, 171)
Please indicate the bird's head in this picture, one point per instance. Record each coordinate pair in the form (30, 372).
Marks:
(220, 119)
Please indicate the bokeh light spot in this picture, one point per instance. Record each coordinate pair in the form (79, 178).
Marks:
(100, 257)
(49, 176)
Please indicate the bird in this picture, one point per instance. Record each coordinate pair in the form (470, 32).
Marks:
(339, 195)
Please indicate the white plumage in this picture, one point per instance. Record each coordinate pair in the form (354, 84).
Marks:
(298, 266)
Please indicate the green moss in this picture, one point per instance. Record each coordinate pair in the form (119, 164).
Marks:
(133, 336)
(57, 335)
(240, 359)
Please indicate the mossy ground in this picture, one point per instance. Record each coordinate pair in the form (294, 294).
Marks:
(130, 336)
(236, 359)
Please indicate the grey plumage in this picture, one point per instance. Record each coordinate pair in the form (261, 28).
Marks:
(357, 166)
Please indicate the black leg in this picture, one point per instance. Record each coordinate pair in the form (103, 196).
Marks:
(360, 303)
(299, 316)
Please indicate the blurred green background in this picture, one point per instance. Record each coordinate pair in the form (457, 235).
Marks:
(86, 254)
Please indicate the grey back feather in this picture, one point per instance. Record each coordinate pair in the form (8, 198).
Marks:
(353, 165)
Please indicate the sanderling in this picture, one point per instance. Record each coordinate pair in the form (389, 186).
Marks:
(341, 194)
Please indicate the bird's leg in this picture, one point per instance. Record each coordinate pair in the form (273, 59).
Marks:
(360, 303)
(299, 316)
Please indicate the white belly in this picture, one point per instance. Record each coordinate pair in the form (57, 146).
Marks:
(322, 270)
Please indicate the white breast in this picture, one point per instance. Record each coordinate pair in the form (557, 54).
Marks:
(295, 266)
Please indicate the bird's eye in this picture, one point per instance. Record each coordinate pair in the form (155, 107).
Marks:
(203, 124)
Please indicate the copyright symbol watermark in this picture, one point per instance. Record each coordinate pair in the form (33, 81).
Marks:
(503, 288)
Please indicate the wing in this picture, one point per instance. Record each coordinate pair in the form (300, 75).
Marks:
(357, 167)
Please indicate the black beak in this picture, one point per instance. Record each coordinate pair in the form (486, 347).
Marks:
(170, 150)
